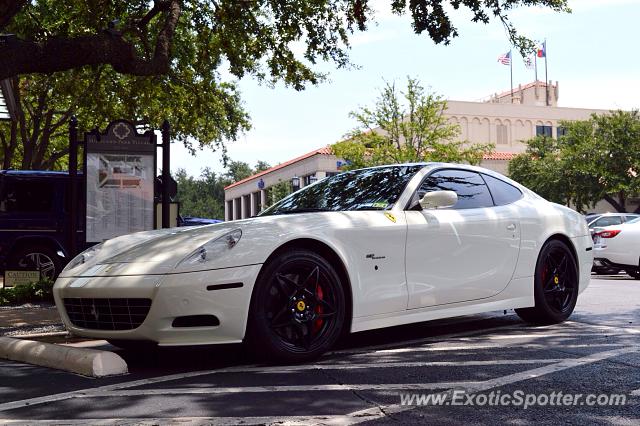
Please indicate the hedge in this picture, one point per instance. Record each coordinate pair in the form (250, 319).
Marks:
(37, 292)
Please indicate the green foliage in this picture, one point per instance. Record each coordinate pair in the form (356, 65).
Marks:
(405, 127)
(238, 170)
(596, 159)
(187, 75)
(204, 196)
(277, 192)
(41, 291)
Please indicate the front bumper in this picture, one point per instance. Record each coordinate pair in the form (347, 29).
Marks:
(173, 296)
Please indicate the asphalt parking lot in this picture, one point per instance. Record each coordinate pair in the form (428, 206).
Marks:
(475, 361)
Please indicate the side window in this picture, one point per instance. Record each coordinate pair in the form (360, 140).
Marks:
(503, 193)
(629, 218)
(26, 197)
(471, 189)
(608, 220)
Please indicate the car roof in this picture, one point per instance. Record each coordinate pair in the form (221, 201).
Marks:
(34, 173)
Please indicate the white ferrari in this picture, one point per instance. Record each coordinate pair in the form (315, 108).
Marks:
(364, 249)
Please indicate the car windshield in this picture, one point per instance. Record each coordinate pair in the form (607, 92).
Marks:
(366, 189)
(636, 220)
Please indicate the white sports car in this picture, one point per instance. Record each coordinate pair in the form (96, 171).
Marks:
(617, 247)
(364, 249)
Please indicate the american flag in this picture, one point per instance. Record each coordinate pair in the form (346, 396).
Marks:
(505, 58)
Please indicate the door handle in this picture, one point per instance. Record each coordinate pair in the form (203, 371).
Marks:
(511, 227)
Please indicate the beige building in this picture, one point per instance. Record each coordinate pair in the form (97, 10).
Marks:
(504, 120)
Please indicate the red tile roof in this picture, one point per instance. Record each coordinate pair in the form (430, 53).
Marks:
(526, 86)
(499, 156)
(327, 151)
(322, 151)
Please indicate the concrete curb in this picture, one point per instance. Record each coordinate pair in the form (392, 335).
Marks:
(88, 362)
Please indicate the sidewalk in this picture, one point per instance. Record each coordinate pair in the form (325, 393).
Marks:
(29, 319)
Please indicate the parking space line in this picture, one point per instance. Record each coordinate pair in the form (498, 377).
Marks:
(491, 346)
(627, 330)
(286, 388)
(373, 412)
(258, 369)
(511, 378)
(331, 419)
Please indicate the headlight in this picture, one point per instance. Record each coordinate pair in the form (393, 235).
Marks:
(213, 249)
(83, 257)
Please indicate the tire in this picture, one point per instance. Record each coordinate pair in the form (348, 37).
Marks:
(133, 345)
(297, 309)
(555, 285)
(634, 274)
(38, 257)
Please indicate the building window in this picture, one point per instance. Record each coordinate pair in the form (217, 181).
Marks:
(543, 131)
(502, 134)
(309, 179)
(561, 131)
(329, 174)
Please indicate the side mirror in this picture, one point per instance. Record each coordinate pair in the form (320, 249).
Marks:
(438, 199)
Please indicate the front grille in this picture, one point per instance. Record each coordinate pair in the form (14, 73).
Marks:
(107, 314)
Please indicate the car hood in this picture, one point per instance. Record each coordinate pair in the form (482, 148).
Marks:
(149, 252)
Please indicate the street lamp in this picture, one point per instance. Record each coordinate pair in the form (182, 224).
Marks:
(295, 183)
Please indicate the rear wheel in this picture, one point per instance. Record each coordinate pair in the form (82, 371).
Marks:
(555, 285)
(634, 274)
(297, 309)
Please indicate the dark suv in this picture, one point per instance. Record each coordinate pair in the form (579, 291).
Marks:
(34, 221)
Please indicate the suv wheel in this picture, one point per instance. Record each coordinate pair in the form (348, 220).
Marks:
(41, 258)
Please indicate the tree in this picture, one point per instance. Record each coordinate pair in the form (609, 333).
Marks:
(277, 192)
(202, 113)
(238, 170)
(150, 61)
(203, 197)
(254, 36)
(596, 159)
(405, 127)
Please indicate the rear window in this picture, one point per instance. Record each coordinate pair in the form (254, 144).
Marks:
(607, 221)
(23, 196)
(502, 192)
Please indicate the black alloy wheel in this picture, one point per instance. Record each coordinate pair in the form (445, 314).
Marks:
(38, 258)
(298, 308)
(555, 285)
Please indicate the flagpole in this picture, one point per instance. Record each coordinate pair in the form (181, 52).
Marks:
(511, 69)
(546, 75)
(535, 64)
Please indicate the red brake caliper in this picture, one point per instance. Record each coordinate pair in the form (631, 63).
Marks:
(317, 324)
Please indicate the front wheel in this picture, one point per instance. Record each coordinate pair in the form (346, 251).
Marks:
(555, 285)
(297, 309)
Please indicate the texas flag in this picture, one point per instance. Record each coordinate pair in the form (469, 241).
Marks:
(541, 51)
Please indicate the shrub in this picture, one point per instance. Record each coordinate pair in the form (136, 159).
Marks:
(41, 291)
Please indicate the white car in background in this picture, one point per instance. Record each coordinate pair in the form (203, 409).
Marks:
(364, 249)
(618, 247)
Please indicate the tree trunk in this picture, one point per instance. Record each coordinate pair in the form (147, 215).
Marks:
(619, 208)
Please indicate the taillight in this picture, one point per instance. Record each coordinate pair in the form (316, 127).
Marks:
(609, 233)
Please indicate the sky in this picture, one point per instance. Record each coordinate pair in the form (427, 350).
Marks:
(591, 54)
